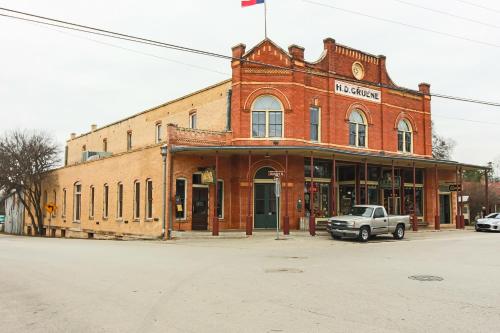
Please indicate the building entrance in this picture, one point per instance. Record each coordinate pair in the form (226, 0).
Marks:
(200, 208)
(445, 208)
(266, 216)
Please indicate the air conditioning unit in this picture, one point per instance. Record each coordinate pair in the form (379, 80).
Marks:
(94, 155)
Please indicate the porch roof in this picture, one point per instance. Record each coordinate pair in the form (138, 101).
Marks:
(324, 152)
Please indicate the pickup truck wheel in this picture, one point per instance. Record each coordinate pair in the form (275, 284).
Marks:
(400, 232)
(364, 234)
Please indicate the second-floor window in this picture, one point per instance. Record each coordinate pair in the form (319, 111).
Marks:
(357, 129)
(314, 114)
(404, 137)
(267, 118)
(129, 140)
(193, 119)
(158, 133)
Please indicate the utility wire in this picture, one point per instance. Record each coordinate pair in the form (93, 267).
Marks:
(479, 6)
(353, 12)
(442, 12)
(130, 38)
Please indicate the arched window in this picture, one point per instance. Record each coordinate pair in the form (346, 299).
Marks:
(405, 137)
(267, 117)
(357, 129)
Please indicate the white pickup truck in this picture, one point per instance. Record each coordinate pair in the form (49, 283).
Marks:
(365, 221)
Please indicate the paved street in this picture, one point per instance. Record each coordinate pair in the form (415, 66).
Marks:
(251, 285)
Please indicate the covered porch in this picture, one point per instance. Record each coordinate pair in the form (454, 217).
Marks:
(231, 187)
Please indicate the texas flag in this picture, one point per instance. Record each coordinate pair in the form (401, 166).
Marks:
(246, 3)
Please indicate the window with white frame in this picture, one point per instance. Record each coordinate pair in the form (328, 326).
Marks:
(63, 210)
(405, 137)
(105, 201)
(149, 199)
(77, 203)
(267, 117)
(119, 201)
(357, 129)
(129, 140)
(180, 198)
(137, 200)
(158, 133)
(193, 119)
(314, 119)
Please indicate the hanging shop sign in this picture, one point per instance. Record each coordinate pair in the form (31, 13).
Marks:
(207, 176)
(356, 91)
(386, 183)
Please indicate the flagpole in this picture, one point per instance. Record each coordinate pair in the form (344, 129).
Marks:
(265, 18)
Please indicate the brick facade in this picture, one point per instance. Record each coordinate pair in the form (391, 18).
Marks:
(225, 130)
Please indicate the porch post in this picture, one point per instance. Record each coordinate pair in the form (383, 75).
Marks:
(286, 223)
(357, 197)
(415, 219)
(393, 189)
(487, 191)
(458, 224)
(312, 220)
(215, 227)
(249, 226)
(462, 220)
(334, 186)
(437, 220)
(366, 182)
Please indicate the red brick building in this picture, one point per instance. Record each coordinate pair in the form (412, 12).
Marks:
(338, 129)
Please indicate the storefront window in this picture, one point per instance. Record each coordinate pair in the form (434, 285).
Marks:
(347, 198)
(409, 200)
(322, 168)
(347, 173)
(373, 195)
(321, 199)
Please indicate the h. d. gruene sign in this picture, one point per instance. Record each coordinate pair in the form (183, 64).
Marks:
(352, 90)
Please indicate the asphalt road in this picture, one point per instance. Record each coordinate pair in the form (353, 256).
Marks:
(302, 284)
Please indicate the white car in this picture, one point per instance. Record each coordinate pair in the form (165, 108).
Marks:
(490, 222)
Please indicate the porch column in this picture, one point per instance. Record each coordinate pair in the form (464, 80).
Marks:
(487, 191)
(312, 220)
(366, 182)
(462, 220)
(458, 224)
(357, 196)
(249, 226)
(415, 218)
(393, 189)
(437, 221)
(334, 186)
(215, 226)
(286, 222)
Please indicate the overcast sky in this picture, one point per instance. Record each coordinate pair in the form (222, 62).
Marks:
(65, 81)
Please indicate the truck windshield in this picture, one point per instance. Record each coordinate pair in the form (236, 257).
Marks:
(361, 211)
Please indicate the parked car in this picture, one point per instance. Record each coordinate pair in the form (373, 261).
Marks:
(490, 222)
(365, 221)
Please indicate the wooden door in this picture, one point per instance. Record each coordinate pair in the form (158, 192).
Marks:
(200, 208)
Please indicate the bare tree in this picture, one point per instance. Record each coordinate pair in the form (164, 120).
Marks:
(26, 157)
(442, 148)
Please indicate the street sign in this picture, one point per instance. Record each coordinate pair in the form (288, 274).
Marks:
(276, 174)
(50, 208)
(455, 188)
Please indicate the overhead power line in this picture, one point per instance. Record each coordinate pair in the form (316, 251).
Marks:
(479, 6)
(120, 36)
(442, 12)
(446, 34)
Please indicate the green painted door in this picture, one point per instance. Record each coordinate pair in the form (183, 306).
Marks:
(265, 206)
